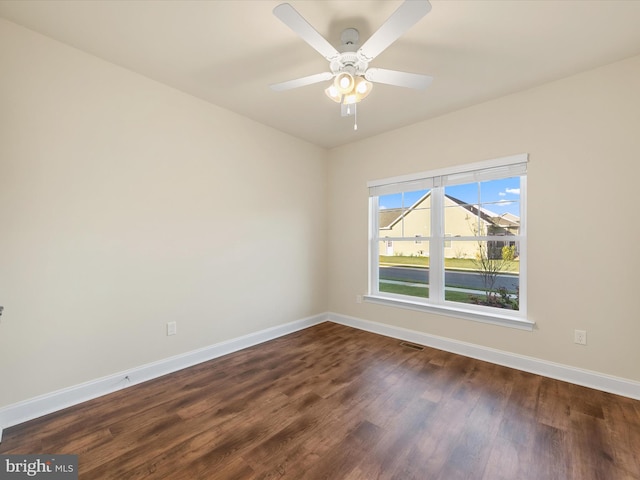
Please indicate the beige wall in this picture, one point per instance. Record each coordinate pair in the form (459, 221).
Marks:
(125, 204)
(583, 139)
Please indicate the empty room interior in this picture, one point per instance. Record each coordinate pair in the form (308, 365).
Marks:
(326, 239)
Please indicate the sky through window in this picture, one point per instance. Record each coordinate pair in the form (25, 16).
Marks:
(499, 196)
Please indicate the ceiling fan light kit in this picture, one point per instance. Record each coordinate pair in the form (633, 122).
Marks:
(333, 93)
(349, 66)
(344, 82)
(347, 89)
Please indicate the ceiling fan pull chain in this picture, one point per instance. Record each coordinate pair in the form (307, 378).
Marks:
(355, 116)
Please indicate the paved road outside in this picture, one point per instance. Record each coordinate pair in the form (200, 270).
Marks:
(469, 280)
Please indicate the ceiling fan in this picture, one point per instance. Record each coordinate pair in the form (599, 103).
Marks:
(349, 65)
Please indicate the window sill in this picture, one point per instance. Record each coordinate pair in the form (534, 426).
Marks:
(511, 321)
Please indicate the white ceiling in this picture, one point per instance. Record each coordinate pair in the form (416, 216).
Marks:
(228, 52)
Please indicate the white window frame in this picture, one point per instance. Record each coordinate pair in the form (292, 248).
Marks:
(436, 180)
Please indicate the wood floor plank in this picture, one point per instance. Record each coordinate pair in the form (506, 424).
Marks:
(332, 402)
(623, 424)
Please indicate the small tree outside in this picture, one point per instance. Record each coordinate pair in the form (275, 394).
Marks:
(490, 261)
(489, 268)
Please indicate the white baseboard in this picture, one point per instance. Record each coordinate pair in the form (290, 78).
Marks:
(67, 397)
(586, 378)
(51, 402)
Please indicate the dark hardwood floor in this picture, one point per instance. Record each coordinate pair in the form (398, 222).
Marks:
(332, 402)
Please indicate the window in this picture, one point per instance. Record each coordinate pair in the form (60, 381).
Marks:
(477, 268)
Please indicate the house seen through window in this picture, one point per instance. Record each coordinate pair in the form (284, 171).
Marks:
(452, 238)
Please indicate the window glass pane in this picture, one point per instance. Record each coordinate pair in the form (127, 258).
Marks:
(404, 214)
(465, 193)
(417, 222)
(500, 192)
(484, 208)
(404, 268)
(461, 219)
(500, 202)
(461, 210)
(390, 201)
(483, 273)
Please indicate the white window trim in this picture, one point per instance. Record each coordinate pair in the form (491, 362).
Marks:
(390, 300)
(478, 313)
(470, 167)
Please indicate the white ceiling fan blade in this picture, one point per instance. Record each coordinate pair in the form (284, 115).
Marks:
(301, 82)
(405, 17)
(296, 22)
(399, 79)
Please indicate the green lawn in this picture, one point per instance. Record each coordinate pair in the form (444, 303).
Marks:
(463, 263)
(405, 290)
(412, 261)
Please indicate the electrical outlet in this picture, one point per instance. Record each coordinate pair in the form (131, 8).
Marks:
(358, 298)
(172, 328)
(580, 337)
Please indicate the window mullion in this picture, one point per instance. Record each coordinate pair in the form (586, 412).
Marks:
(436, 247)
(374, 241)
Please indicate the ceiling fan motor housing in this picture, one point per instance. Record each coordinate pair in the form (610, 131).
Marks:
(348, 60)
